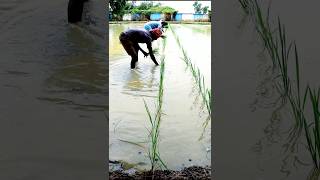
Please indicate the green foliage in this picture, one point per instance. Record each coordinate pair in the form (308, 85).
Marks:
(167, 9)
(145, 6)
(118, 8)
(147, 9)
(205, 9)
(197, 7)
(275, 41)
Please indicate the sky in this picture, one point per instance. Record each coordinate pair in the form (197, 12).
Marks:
(181, 6)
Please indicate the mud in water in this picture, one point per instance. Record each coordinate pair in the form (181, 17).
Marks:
(194, 172)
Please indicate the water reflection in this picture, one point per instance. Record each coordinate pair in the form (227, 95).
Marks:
(142, 79)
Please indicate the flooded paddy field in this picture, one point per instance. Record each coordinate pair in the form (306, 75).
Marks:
(54, 91)
(183, 110)
(251, 129)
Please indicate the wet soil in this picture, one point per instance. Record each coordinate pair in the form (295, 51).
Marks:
(193, 172)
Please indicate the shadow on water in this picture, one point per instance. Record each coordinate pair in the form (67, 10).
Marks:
(142, 80)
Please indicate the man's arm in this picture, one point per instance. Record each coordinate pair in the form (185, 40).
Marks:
(143, 52)
(151, 53)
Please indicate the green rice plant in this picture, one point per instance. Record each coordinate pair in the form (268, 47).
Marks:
(279, 51)
(284, 58)
(275, 42)
(312, 130)
(199, 79)
(245, 4)
(153, 151)
(297, 102)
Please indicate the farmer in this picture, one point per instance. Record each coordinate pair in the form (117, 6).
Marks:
(155, 24)
(130, 39)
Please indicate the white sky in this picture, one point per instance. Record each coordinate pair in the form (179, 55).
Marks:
(180, 6)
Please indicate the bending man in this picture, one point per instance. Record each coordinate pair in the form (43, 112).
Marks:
(130, 39)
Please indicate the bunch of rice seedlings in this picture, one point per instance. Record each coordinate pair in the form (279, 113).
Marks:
(275, 42)
(312, 130)
(199, 79)
(265, 32)
(297, 102)
(153, 152)
(279, 51)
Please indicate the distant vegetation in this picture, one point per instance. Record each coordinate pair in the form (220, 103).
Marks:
(120, 7)
(198, 9)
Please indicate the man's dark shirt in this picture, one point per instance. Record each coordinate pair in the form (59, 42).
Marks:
(138, 36)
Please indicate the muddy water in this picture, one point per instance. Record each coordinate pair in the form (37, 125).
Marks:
(53, 91)
(181, 125)
(250, 132)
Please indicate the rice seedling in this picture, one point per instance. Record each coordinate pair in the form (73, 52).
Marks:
(245, 5)
(279, 51)
(312, 130)
(275, 41)
(153, 151)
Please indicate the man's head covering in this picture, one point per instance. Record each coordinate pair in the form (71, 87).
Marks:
(156, 32)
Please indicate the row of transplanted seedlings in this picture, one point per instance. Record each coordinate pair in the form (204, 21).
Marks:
(155, 120)
(199, 79)
(275, 41)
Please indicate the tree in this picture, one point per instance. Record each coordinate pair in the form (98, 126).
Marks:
(197, 7)
(117, 8)
(145, 5)
(205, 9)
